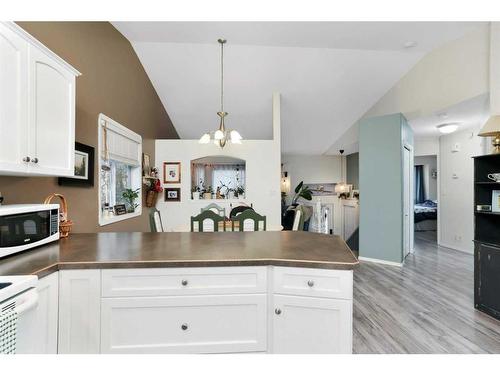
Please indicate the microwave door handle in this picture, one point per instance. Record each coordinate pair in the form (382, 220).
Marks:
(28, 304)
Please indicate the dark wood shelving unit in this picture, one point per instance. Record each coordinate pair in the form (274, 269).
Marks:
(486, 238)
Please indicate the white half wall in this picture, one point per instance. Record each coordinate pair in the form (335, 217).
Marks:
(262, 176)
(456, 169)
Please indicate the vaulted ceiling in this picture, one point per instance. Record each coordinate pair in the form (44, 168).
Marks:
(328, 73)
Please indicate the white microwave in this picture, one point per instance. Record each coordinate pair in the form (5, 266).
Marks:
(24, 226)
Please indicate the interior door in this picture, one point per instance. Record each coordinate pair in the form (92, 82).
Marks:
(407, 169)
(52, 98)
(13, 101)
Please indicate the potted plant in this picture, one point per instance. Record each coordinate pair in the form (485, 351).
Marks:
(208, 193)
(195, 190)
(130, 196)
(301, 191)
(239, 192)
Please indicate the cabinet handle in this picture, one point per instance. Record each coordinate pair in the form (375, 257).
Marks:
(310, 283)
(184, 327)
(26, 159)
(277, 311)
(34, 160)
(184, 282)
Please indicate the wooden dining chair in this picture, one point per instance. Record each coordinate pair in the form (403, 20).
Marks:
(248, 215)
(210, 215)
(221, 211)
(155, 222)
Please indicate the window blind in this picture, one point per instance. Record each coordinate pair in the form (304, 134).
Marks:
(122, 144)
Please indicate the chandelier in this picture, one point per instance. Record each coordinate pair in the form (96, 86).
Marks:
(221, 136)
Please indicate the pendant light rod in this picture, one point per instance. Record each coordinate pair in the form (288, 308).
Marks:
(222, 41)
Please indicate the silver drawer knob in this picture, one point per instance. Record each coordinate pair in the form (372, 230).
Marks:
(34, 160)
(26, 159)
(184, 327)
(277, 311)
(184, 282)
(310, 283)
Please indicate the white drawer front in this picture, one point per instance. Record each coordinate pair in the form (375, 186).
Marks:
(313, 282)
(192, 324)
(183, 281)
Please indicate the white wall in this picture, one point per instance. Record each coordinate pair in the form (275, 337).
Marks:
(426, 146)
(456, 199)
(430, 183)
(262, 176)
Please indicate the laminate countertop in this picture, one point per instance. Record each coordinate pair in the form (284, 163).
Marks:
(176, 249)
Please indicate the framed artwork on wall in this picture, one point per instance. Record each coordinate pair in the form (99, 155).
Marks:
(84, 168)
(146, 165)
(172, 194)
(171, 172)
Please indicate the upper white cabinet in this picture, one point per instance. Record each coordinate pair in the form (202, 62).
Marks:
(37, 107)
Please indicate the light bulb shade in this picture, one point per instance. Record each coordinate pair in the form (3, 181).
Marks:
(218, 135)
(342, 187)
(285, 185)
(491, 128)
(205, 138)
(447, 128)
(235, 137)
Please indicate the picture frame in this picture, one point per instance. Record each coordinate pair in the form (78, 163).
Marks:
(172, 172)
(84, 168)
(495, 201)
(120, 209)
(172, 194)
(146, 165)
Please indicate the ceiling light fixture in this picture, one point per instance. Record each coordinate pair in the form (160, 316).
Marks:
(221, 136)
(410, 44)
(447, 128)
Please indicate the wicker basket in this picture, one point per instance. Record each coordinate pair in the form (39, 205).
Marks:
(64, 224)
(151, 197)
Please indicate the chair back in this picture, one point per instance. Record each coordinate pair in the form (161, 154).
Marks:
(155, 222)
(221, 211)
(248, 215)
(210, 215)
(296, 220)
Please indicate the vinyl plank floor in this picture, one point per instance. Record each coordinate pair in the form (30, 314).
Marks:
(426, 306)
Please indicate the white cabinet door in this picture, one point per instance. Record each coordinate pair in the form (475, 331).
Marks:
(308, 325)
(47, 314)
(52, 116)
(79, 311)
(190, 324)
(13, 102)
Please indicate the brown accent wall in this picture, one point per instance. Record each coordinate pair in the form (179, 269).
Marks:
(113, 82)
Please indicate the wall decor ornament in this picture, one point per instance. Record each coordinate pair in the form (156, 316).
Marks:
(84, 168)
(172, 194)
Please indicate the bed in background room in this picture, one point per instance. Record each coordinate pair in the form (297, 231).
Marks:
(426, 216)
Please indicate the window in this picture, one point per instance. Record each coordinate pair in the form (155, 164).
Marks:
(120, 152)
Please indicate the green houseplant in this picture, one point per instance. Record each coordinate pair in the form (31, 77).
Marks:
(130, 196)
(302, 191)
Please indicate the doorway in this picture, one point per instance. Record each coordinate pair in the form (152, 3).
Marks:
(426, 198)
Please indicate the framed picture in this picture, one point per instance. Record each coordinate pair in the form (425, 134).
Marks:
(172, 194)
(495, 201)
(146, 165)
(171, 172)
(84, 167)
(120, 209)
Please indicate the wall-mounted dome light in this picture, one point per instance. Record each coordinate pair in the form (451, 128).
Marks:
(447, 128)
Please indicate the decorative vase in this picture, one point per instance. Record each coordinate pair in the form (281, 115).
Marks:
(196, 195)
(207, 195)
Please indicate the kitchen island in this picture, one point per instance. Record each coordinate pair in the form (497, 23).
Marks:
(275, 292)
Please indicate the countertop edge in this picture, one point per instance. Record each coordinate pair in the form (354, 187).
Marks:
(58, 266)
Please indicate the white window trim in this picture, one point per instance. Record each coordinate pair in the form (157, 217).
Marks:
(110, 123)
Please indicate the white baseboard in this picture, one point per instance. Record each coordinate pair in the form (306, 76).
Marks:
(386, 262)
(452, 247)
